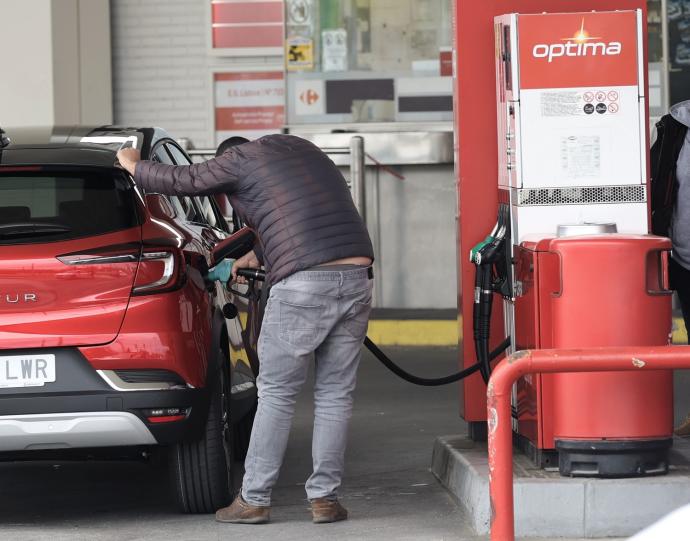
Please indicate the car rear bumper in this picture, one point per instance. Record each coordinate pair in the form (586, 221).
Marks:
(72, 431)
(96, 416)
(84, 409)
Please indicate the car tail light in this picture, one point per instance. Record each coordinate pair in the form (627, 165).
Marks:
(116, 253)
(159, 270)
(166, 415)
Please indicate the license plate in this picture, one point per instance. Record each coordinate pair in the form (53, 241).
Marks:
(26, 370)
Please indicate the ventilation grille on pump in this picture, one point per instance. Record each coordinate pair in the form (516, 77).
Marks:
(636, 193)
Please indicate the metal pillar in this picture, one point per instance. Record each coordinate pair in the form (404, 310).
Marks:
(665, 58)
(545, 361)
(357, 172)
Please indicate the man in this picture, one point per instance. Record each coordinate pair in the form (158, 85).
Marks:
(671, 203)
(318, 257)
(670, 156)
(228, 143)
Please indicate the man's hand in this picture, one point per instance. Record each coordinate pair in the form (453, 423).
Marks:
(128, 158)
(247, 261)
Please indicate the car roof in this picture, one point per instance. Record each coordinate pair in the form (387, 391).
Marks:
(75, 145)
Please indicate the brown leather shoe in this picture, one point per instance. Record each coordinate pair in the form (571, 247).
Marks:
(324, 510)
(683, 430)
(241, 512)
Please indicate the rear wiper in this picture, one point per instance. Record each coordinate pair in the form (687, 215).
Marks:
(28, 229)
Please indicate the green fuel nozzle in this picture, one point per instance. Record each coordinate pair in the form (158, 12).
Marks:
(476, 252)
(222, 272)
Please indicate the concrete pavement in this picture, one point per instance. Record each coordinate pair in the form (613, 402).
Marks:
(388, 488)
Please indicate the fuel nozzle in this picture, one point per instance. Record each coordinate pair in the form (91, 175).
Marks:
(222, 272)
(489, 258)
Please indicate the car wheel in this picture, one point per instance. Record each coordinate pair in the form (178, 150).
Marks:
(202, 470)
(242, 434)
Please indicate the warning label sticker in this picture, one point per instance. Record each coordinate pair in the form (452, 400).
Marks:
(565, 103)
(581, 156)
(561, 103)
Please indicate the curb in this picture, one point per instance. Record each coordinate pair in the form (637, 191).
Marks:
(548, 505)
(413, 332)
(446, 332)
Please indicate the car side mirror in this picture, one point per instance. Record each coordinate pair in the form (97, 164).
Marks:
(236, 245)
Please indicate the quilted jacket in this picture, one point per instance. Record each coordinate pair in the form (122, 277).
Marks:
(286, 189)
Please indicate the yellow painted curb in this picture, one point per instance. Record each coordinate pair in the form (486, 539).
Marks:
(680, 336)
(434, 332)
(413, 332)
(441, 332)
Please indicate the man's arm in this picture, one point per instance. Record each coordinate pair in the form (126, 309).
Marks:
(216, 175)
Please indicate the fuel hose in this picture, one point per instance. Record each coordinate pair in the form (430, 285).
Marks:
(256, 274)
(431, 382)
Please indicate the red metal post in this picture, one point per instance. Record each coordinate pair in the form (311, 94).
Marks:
(550, 361)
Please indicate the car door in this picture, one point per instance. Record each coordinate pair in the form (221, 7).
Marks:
(243, 330)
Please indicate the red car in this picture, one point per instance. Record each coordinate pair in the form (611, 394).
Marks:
(111, 337)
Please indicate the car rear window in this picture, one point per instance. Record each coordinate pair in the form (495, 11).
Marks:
(44, 207)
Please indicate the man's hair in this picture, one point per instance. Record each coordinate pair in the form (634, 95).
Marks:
(229, 143)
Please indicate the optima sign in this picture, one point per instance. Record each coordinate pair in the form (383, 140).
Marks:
(571, 48)
(567, 50)
(581, 44)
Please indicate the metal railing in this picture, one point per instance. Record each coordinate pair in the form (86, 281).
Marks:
(521, 363)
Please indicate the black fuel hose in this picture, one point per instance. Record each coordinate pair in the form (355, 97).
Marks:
(482, 319)
(430, 382)
(257, 274)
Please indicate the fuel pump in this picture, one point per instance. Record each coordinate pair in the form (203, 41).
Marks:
(582, 271)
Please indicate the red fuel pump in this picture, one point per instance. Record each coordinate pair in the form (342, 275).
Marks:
(572, 139)
(477, 153)
(595, 291)
(572, 135)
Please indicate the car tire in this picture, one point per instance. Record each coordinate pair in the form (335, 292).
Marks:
(201, 470)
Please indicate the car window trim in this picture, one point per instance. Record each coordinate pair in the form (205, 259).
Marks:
(195, 200)
(220, 219)
(170, 142)
(161, 143)
(214, 209)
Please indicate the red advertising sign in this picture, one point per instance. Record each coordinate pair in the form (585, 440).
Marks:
(569, 50)
(247, 27)
(249, 103)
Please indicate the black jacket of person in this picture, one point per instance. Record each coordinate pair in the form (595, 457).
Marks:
(286, 189)
(664, 155)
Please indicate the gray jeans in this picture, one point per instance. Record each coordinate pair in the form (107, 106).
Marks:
(319, 315)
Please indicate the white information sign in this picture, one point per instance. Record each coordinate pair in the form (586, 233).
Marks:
(300, 12)
(580, 137)
(334, 50)
(250, 104)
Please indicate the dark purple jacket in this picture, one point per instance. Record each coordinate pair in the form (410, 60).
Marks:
(286, 189)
